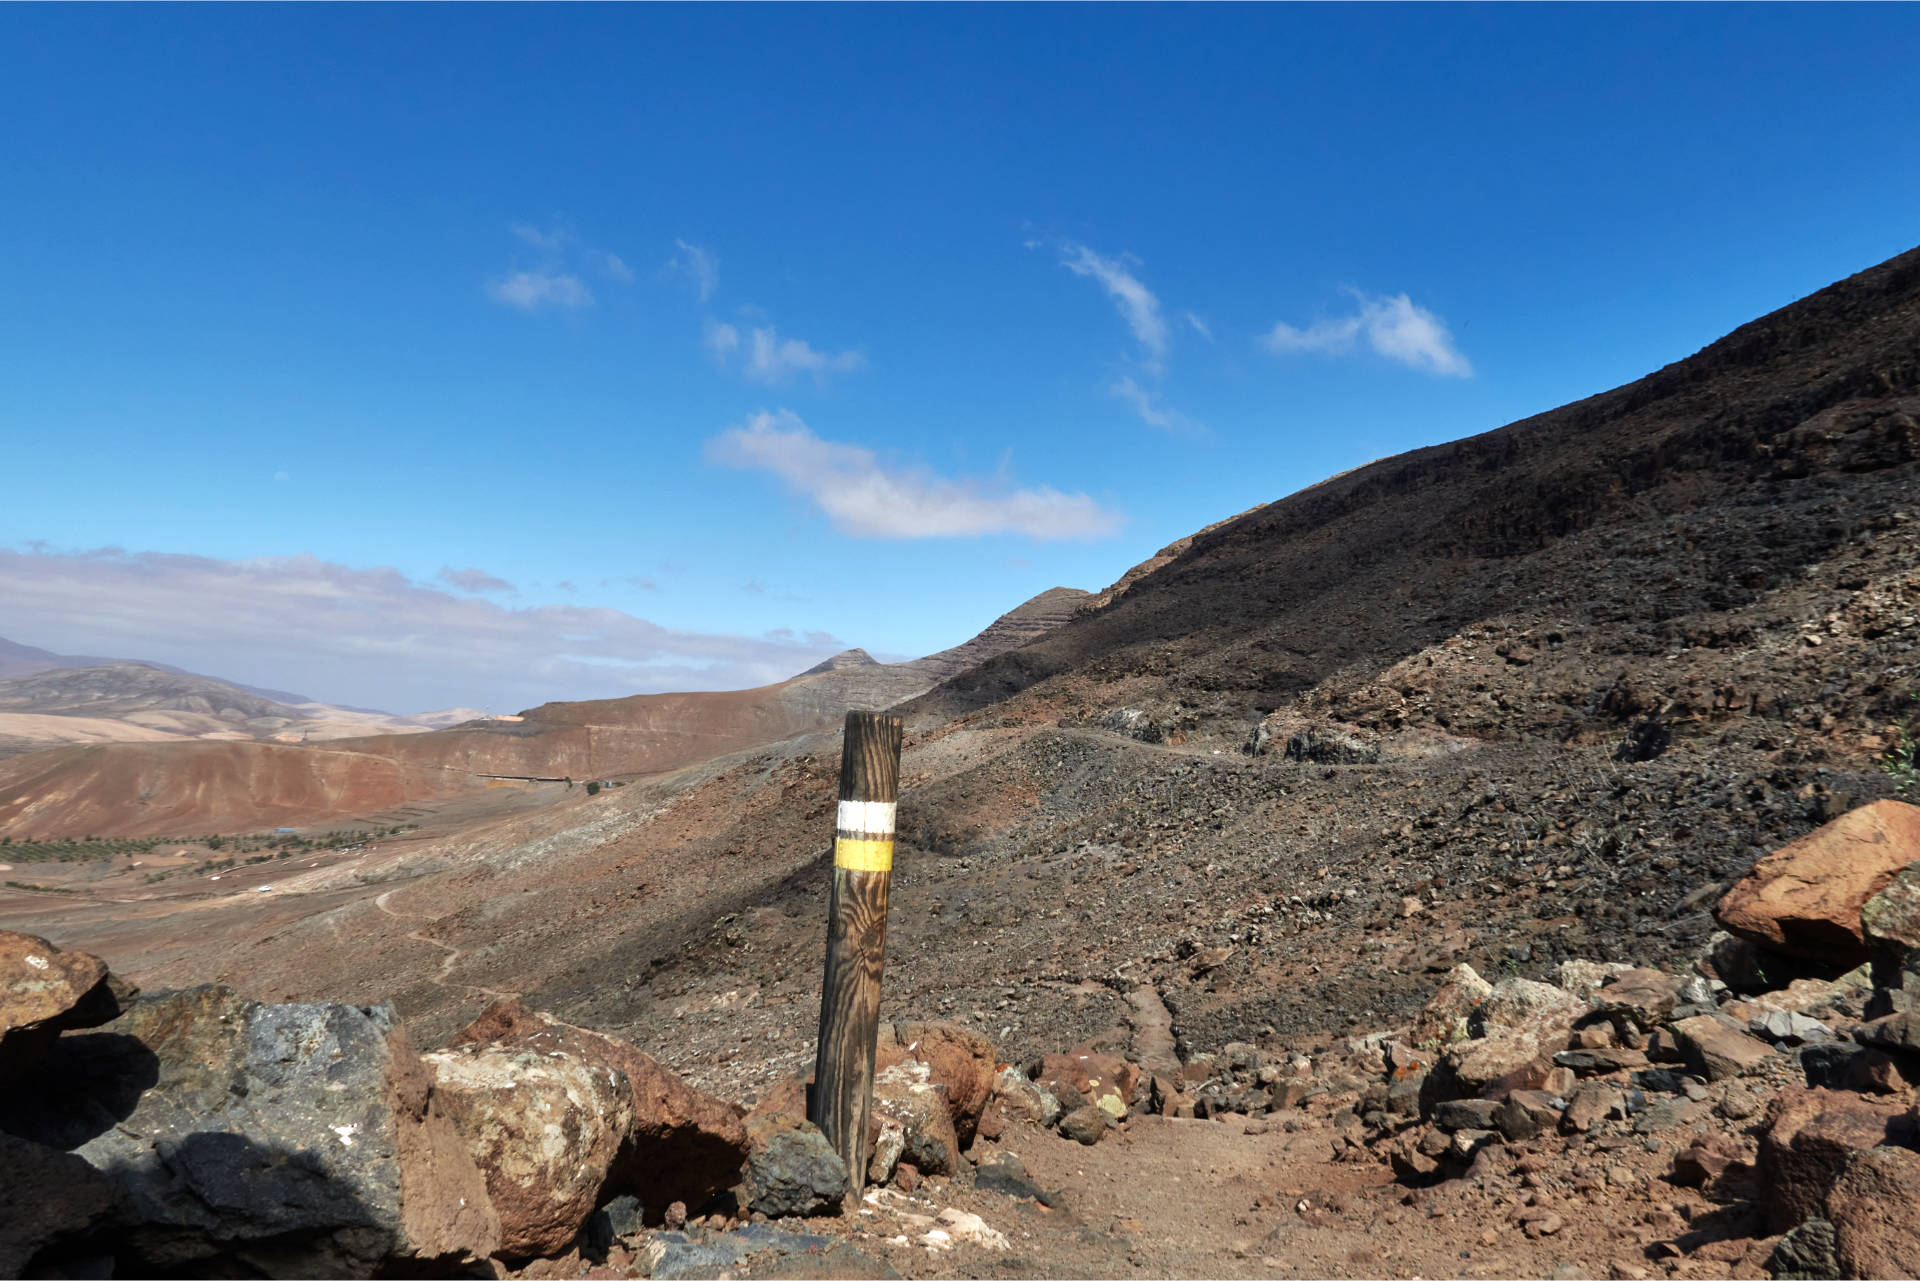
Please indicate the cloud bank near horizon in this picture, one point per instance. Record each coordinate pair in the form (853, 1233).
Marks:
(369, 636)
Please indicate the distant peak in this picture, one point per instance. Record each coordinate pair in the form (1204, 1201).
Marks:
(845, 658)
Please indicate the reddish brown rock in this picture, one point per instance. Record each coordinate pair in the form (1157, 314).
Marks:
(1640, 998)
(1494, 1066)
(1704, 1160)
(1804, 899)
(1105, 1081)
(544, 1127)
(1806, 1140)
(44, 990)
(961, 1060)
(686, 1145)
(1871, 1207)
(1715, 1049)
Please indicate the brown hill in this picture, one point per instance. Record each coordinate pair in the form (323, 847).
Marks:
(654, 733)
(176, 789)
(624, 737)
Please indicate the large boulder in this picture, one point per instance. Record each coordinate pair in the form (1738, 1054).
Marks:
(1872, 1209)
(295, 1139)
(1804, 899)
(1807, 1139)
(685, 1145)
(961, 1060)
(45, 1195)
(544, 1128)
(44, 991)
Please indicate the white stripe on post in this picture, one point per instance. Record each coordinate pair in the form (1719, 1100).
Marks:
(873, 818)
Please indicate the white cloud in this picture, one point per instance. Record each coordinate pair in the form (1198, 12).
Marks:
(1394, 327)
(697, 265)
(371, 637)
(532, 290)
(772, 359)
(1136, 303)
(1152, 409)
(1199, 326)
(553, 279)
(864, 498)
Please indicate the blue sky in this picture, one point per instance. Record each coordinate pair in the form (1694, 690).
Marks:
(693, 343)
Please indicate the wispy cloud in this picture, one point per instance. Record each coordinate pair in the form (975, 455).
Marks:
(553, 279)
(533, 290)
(1153, 410)
(863, 497)
(473, 580)
(1136, 303)
(369, 636)
(1199, 326)
(771, 359)
(1394, 327)
(697, 266)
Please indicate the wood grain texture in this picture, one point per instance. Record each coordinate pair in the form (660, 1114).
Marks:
(841, 1103)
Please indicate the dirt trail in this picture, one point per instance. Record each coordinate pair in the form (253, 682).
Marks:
(452, 957)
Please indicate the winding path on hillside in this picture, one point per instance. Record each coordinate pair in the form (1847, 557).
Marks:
(447, 962)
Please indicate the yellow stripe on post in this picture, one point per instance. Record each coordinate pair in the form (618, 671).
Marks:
(862, 856)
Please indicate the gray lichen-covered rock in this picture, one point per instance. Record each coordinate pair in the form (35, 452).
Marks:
(1024, 1098)
(544, 1128)
(791, 1169)
(1890, 924)
(293, 1139)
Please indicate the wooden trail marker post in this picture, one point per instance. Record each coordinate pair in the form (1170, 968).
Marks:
(841, 1102)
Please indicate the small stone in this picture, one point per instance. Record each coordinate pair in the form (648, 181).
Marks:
(1466, 1114)
(1526, 1113)
(1086, 1124)
(1707, 1158)
(1716, 1050)
(1591, 1103)
(1599, 1062)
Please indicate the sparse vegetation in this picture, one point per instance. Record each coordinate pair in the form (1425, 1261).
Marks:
(1899, 763)
(593, 787)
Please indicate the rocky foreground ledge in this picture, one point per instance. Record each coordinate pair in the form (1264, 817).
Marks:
(1752, 1116)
